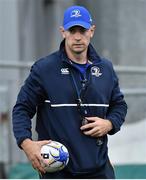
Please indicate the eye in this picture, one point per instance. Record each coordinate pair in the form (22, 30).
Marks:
(72, 30)
(79, 29)
(83, 30)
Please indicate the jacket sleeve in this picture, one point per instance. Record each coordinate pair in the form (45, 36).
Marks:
(117, 106)
(29, 97)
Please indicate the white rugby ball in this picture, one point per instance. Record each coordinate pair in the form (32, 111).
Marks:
(55, 156)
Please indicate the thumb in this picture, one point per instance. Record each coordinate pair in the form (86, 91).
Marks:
(41, 143)
(90, 118)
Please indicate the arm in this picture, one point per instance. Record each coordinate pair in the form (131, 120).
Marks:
(115, 116)
(30, 96)
(117, 107)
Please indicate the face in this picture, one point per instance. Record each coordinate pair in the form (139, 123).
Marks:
(77, 38)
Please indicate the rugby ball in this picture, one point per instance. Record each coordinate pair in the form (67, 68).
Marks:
(55, 155)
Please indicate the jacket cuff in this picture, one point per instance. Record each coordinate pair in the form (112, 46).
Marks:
(19, 142)
(115, 128)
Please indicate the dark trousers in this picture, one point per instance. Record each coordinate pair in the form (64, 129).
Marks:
(106, 172)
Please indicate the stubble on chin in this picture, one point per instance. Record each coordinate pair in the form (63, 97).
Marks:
(78, 50)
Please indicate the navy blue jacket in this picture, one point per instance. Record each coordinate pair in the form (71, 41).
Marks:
(51, 91)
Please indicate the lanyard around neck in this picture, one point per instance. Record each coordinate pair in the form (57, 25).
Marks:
(84, 83)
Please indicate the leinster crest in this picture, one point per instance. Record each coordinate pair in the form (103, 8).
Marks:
(95, 71)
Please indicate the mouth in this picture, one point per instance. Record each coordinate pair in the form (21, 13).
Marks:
(77, 45)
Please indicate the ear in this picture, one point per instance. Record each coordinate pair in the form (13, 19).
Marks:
(92, 30)
(62, 31)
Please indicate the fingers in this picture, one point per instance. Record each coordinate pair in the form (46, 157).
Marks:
(93, 133)
(37, 165)
(95, 127)
(90, 132)
(92, 118)
(88, 126)
(33, 152)
(89, 129)
(39, 162)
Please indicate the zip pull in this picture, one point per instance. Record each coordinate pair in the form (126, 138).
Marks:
(84, 82)
(79, 102)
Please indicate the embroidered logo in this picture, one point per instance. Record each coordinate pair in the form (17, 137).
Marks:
(75, 13)
(90, 19)
(95, 71)
(64, 71)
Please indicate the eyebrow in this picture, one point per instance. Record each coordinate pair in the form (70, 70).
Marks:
(78, 27)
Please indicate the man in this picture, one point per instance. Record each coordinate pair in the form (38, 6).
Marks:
(78, 102)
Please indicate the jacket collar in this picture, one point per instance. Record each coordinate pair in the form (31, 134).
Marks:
(92, 54)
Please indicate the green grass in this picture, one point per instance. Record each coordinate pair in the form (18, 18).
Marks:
(130, 171)
(25, 171)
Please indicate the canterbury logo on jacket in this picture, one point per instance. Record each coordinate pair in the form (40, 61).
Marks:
(50, 91)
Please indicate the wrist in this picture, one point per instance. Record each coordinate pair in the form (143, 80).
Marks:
(110, 125)
(25, 142)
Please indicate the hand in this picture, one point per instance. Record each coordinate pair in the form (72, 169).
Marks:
(33, 151)
(96, 127)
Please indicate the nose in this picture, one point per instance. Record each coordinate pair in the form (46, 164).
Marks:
(77, 36)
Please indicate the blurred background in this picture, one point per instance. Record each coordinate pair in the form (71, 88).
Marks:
(29, 29)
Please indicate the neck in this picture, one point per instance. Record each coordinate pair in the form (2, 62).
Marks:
(80, 58)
